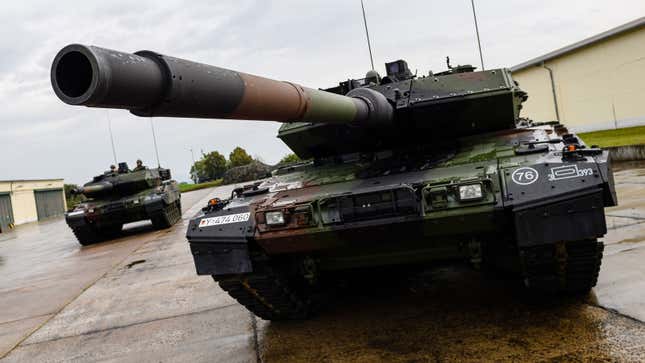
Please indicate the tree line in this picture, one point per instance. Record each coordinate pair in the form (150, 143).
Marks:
(213, 165)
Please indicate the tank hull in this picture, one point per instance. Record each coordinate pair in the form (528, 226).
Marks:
(539, 202)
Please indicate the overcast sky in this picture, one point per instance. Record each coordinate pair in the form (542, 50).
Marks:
(314, 43)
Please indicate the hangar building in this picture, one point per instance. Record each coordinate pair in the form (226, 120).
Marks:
(595, 84)
(24, 201)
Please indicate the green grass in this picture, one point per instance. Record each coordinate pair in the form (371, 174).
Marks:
(619, 137)
(190, 187)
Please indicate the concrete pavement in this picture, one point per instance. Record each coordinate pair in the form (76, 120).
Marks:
(139, 299)
(58, 296)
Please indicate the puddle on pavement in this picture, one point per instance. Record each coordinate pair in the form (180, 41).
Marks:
(457, 316)
(633, 239)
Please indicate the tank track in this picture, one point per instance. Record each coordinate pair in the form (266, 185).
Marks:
(569, 268)
(266, 295)
(168, 216)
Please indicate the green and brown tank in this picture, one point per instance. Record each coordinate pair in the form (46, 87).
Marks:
(402, 171)
(115, 198)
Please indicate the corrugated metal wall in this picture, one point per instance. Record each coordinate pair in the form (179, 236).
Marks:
(6, 212)
(49, 203)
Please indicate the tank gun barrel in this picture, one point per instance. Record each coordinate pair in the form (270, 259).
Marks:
(93, 189)
(151, 84)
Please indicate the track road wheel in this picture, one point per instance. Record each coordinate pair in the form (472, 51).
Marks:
(267, 295)
(570, 268)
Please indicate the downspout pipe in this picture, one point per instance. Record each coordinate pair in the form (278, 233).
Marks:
(555, 97)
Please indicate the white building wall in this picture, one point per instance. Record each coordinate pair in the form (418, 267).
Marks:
(600, 86)
(23, 201)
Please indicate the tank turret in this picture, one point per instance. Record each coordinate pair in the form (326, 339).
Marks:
(92, 189)
(124, 183)
(360, 115)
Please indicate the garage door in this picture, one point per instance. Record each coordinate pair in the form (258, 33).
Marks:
(6, 213)
(49, 203)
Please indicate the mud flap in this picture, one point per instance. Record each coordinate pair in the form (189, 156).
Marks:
(575, 218)
(221, 258)
(153, 206)
(219, 241)
(76, 220)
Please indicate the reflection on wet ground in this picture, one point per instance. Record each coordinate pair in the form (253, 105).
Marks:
(638, 166)
(458, 315)
(44, 269)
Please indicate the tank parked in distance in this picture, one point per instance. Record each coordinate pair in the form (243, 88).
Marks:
(122, 196)
(404, 171)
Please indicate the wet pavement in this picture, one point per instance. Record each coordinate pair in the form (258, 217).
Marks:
(138, 299)
(53, 292)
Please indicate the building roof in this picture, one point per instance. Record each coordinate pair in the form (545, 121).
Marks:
(31, 180)
(634, 24)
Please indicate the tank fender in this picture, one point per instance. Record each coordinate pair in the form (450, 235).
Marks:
(609, 190)
(553, 202)
(219, 241)
(576, 217)
(75, 218)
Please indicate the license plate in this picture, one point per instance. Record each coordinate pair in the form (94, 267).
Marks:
(227, 219)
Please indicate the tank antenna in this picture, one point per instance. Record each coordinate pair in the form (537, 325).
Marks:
(154, 141)
(107, 113)
(367, 33)
(479, 44)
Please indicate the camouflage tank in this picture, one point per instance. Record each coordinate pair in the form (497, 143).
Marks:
(123, 196)
(404, 171)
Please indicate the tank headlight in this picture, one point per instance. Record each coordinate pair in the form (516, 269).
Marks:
(274, 218)
(470, 192)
